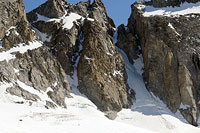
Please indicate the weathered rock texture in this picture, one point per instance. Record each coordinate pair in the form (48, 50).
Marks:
(13, 21)
(170, 49)
(20, 33)
(11, 13)
(35, 68)
(101, 71)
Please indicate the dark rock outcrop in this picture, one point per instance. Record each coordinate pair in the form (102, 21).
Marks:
(128, 42)
(20, 33)
(97, 11)
(170, 49)
(101, 72)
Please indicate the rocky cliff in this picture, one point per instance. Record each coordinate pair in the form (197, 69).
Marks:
(170, 49)
(26, 66)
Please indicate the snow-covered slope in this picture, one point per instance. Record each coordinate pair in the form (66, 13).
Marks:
(80, 116)
(184, 9)
(21, 48)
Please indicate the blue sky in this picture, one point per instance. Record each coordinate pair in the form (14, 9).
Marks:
(118, 10)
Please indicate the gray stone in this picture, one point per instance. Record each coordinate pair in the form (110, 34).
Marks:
(111, 115)
(18, 91)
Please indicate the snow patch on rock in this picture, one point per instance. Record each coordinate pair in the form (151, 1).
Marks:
(67, 20)
(8, 31)
(184, 106)
(21, 48)
(184, 9)
(171, 26)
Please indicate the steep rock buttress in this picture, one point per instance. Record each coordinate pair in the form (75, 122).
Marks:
(169, 40)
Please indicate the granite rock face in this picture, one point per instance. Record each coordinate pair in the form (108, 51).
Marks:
(63, 42)
(32, 74)
(169, 45)
(95, 10)
(170, 49)
(20, 33)
(40, 72)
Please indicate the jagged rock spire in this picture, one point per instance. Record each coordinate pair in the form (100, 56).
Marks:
(98, 2)
(52, 8)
